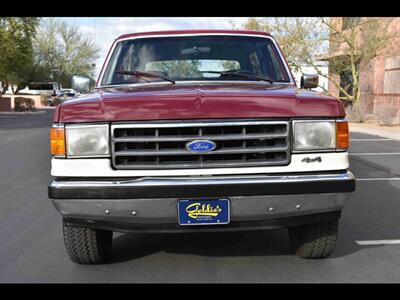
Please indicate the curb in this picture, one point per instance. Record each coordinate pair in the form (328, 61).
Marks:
(381, 133)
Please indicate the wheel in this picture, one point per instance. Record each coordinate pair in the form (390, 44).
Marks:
(316, 240)
(86, 245)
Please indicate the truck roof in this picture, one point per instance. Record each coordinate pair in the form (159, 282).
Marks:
(202, 31)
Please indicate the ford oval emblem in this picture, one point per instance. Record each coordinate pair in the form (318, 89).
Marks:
(201, 146)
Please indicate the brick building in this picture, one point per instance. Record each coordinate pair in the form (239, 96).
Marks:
(380, 79)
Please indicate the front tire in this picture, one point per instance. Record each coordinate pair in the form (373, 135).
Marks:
(86, 245)
(316, 240)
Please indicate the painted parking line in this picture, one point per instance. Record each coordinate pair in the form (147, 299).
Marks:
(373, 153)
(379, 179)
(378, 242)
(370, 140)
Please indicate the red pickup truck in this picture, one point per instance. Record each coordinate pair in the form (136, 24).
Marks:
(195, 131)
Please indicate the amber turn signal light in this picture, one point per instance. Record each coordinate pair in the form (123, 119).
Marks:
(57, 141)
(342, 135)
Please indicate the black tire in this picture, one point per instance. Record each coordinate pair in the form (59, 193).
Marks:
(316, 240)
(86, 245)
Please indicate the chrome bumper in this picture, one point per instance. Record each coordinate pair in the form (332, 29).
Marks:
(154, 200)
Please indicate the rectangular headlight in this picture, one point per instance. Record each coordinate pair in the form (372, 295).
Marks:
(87, 140)
(314, 135)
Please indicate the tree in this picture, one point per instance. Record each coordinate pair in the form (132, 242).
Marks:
(354, 45)
(62, 51)
(177, 68)
(297, 37)
(16, 34)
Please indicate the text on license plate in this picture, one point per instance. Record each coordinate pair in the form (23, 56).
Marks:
(203, 212)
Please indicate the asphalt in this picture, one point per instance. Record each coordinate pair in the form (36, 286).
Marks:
(32, 248)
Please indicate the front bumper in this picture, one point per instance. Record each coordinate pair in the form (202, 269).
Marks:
(151, 203)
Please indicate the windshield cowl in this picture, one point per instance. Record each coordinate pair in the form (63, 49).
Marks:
(195, 82)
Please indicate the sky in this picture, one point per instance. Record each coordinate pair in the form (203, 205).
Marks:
(105, 29)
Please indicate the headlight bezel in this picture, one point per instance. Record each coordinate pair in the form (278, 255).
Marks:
(106, 128)
(313, 150)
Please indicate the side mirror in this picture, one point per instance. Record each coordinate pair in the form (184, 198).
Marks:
(81, 84)
(309, 81)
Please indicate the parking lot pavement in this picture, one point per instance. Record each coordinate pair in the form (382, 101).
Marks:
(41, 119)
(32, 248)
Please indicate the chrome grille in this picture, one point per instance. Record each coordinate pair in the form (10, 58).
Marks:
(163, 145)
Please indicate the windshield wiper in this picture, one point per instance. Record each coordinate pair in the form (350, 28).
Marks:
(141, 74)
(241, 73)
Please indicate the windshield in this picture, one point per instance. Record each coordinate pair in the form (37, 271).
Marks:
(184, 58)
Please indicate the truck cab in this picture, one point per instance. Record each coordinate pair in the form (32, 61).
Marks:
(198, 131)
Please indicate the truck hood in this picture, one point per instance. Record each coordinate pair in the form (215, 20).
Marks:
(167, 101)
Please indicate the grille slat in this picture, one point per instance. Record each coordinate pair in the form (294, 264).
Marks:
(183, 152)
(206, 137)
(163, 145)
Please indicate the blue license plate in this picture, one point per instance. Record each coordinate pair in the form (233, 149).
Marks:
(203, 212)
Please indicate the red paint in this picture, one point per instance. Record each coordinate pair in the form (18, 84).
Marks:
(199, 101)
(104, 63)
(287, 63)
(56, 114)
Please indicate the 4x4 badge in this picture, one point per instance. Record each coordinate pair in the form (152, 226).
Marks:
(311, 160)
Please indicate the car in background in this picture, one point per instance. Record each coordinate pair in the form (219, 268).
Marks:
(54, 101)
(67, 91)
(41, 88)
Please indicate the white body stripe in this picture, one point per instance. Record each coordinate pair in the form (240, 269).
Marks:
(101, 167)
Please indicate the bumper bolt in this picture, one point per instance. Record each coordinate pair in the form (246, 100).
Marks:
(298, 206)
(133, 213)
(271, 209)
(107, 212)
